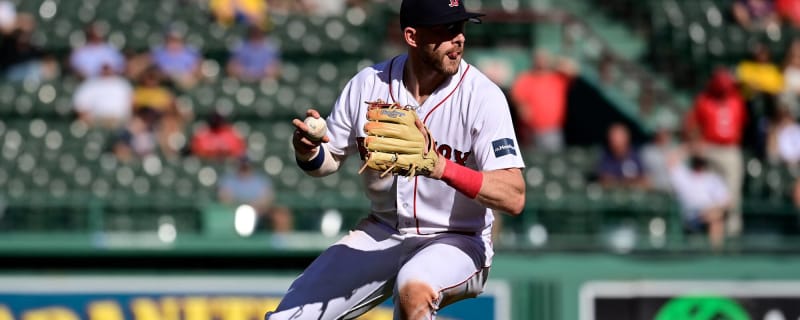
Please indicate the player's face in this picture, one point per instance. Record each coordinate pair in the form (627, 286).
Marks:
(442, 46)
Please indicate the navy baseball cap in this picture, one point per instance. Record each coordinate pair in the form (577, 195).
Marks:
(420, 13)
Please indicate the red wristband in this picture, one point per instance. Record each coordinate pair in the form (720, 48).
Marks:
(463, 179)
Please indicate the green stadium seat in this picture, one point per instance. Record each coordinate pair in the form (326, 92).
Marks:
(556, 167)
(218, 221)
(289, 179)
(576, 181)
(754, 180)
(4, 177)
(534, 176)
(256, 146)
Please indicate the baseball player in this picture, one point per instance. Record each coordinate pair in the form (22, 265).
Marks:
(440, 153)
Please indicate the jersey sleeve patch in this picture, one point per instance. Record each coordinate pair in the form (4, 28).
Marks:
(503, 147)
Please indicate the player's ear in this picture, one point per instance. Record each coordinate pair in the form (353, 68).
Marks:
(410, 36)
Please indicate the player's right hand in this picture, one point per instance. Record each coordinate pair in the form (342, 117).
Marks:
(303, 146)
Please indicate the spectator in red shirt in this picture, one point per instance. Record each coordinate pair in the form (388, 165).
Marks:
(218, 140)
(789, 10)
(540, 96)
(719, 114)
(714, 126)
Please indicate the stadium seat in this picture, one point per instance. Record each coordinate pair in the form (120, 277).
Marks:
(58, 174)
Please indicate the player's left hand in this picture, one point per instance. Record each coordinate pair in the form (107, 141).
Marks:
(398, 142)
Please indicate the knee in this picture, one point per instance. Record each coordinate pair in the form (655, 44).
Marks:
(416, 301)
(714, 215)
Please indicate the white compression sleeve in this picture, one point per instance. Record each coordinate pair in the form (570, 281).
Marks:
(321, 164)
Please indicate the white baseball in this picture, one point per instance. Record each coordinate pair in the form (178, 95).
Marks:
(316, 128)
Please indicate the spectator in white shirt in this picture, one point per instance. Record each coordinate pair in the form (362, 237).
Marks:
(791, 74)
(702, 195)
(783, 141)
(105, 100)
(654, 158)
(87, 60)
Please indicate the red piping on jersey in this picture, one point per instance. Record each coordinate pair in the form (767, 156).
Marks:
(391, 92)
(448, 95)
(458, 85)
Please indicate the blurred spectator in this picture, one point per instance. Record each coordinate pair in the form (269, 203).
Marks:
(784, 138)
(540, 96)
(218, 140)
(88, 60)
(151, 95)
(245, 186)
(789, 10)
(177, 60)
(8, 17)
(255, 58)
(364, 4)
(620, 165)
(702, 195)
(498, 70)
(761, 81)
(647, 107)
(228, 12)
(654, 158)
(284, 7)
(138, 139)
(755, 14)
(791, 75)
(105, 100)
(714, 126)
(19, 58)
(760, 75)
(606, 70)
(326, 8)
(653, 116)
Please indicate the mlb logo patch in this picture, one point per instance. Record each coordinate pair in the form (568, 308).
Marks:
(503, 147)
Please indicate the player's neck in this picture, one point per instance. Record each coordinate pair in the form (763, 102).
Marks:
(420, 80)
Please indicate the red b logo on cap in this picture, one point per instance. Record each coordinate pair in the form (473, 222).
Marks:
(453, 3)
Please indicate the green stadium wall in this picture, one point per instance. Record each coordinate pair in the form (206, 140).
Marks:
(524, 285)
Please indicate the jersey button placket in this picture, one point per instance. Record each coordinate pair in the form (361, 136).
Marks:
(404, 212)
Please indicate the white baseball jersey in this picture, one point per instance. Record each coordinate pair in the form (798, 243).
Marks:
(469, 118)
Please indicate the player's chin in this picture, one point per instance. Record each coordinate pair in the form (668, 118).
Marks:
(450, 66)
